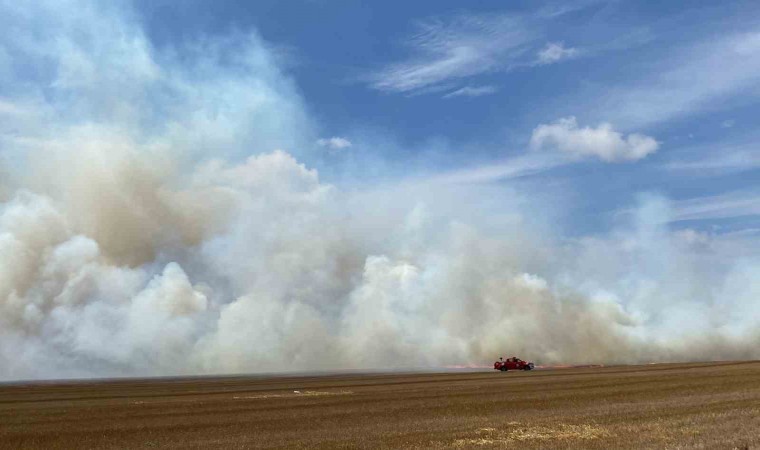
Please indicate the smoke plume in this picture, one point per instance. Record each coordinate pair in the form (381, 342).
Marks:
(151, 225)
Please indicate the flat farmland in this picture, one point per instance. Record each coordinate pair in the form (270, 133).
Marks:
(697, 405)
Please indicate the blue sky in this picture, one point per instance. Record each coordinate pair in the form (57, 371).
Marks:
(586, 105)
(442, 86)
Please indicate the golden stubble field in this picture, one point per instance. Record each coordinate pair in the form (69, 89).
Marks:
(707, 405)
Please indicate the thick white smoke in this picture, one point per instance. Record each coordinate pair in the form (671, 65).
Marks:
(138, 238)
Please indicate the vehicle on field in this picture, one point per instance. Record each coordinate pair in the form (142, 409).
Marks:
(513, 363)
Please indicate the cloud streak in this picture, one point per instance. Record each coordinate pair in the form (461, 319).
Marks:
(472, 91)
(512, 168)
(685, 82)
(450, 53)
(454, 49)
(715, 160)
(723, 206)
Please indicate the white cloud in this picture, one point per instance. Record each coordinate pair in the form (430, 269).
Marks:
(728, 123)
(472, 91)
(334, 143)
(602, 142)
(554, 52)
(455, 49)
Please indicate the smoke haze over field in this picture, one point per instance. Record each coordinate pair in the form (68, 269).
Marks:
(156, 219)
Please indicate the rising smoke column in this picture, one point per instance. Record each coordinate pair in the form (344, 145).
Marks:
(150, 225)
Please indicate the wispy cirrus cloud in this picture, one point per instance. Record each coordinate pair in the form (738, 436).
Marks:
(723, 206)
(507, 169)
(556, 9)
(709, 75)
(715, 160)
(472, 91)
(445, 53)
(451, 50)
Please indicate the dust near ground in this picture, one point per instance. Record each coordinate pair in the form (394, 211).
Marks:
(708, 405)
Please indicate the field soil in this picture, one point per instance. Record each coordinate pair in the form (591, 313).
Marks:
(701, 405)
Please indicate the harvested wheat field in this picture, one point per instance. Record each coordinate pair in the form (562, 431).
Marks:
(709, 405)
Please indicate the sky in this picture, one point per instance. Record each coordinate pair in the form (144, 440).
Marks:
(236, 187)
(452, 87)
